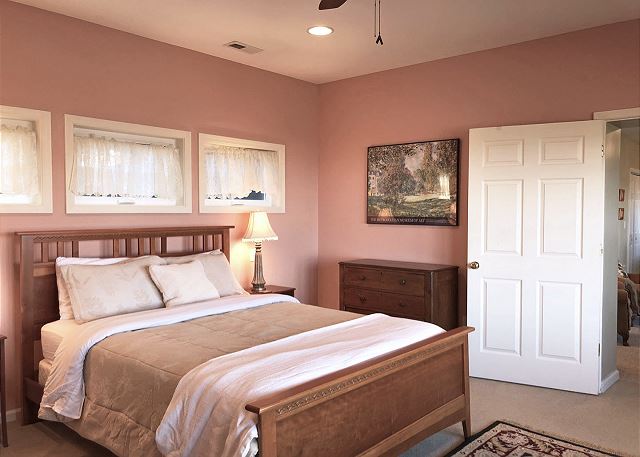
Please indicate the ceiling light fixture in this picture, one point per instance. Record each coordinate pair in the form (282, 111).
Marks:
(320, 30)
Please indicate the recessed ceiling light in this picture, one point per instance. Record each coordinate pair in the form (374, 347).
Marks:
(320, 30)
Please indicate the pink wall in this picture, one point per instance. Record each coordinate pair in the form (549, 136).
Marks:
(63, 65)
(563, 78)
(55, 63)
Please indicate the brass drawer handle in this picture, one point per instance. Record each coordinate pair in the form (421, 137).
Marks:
(403, 282)
(363, 299)
(402, 305)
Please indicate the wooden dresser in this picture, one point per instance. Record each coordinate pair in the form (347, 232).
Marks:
(419, 291)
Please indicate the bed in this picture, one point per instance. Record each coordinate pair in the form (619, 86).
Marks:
(379, 406)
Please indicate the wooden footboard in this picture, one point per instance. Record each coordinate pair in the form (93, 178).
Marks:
(380, 407)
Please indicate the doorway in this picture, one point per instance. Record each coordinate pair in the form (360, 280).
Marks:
(626, 124)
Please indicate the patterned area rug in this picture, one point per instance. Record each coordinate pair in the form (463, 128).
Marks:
(502, 439)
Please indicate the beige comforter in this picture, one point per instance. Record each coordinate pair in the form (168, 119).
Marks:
(130, 377)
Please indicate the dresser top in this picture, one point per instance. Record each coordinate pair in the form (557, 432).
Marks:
(399, 265)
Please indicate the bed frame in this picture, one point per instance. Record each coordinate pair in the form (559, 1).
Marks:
(379, 407)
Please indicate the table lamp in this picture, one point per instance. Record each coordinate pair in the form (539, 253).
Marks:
(258, 230)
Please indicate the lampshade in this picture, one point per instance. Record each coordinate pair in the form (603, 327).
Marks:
(259, 228)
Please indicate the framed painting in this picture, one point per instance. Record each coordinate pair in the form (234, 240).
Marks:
(413, 183)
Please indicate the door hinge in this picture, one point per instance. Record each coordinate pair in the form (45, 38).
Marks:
(598, 350)
(603, 151)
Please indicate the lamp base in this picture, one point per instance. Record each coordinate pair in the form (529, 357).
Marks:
(258, 284)
(258, 287)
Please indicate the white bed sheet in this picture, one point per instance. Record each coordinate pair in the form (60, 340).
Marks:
(53, 333)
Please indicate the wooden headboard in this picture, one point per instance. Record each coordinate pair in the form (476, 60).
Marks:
(39, 292)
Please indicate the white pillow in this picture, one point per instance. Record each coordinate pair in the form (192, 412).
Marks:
(218, 271)
(183, 283)
(64, 302)
(98, 291)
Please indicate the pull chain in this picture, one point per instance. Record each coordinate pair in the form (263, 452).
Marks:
(377, 12)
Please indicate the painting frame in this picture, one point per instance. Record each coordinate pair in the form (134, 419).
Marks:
(449, 217)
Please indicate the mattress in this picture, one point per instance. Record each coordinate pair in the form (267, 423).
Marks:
(44, 369)
(53, 333)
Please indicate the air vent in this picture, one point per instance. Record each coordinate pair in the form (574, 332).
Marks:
(243, 47)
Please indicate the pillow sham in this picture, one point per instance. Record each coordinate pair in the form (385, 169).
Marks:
(182, 283)
(64, 301)
(218, 271)
(98, 291)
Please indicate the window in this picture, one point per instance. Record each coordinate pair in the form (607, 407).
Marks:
(114, 167)
(25, 160)
(239, 176)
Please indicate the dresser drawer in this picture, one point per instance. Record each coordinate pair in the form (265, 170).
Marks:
(364, 300)
(361, 298)
(402, 305)
(363, 277)
(402, 282)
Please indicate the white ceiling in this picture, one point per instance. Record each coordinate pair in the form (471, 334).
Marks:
(414, 31)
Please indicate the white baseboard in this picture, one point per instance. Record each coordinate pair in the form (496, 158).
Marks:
(12, 415)
(609, 381)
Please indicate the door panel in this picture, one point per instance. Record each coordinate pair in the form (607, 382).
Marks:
(503, 202)
(536, 194)
(561, 205)
(560, 319)
(502, 315)
(502, 153)
(568, 150)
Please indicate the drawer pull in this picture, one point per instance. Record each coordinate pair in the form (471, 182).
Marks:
(403, 282)
(402, 305)
(363, 299)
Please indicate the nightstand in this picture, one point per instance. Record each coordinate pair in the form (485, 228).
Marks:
(3, 395)
(274, 290)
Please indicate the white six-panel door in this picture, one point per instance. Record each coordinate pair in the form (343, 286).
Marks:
(536, 196)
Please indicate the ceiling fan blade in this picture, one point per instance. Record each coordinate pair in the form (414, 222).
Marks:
(331, 4)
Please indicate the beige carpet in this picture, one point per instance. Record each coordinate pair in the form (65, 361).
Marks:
(609, 421)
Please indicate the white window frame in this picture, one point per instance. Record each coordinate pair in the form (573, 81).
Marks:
(183, 139)
(204, 140)
(42, 122)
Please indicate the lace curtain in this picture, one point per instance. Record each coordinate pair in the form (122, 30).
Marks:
(18, 160)
(108, 167)
(233, 172)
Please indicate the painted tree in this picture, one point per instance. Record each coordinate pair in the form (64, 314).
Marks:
(395, 180)
(440, 158)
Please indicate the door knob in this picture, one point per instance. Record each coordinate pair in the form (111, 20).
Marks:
(474, 265)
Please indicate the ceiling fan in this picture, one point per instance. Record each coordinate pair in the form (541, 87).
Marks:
(331, 4)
